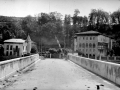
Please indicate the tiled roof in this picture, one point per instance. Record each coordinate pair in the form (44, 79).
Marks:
(14, 41)
(88, 32)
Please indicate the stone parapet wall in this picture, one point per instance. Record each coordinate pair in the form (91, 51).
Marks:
(108, 70)
(9, 67)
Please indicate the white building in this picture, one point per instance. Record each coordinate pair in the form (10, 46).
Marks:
(15, 47)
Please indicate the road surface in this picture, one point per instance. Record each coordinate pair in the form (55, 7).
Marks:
(56, 74)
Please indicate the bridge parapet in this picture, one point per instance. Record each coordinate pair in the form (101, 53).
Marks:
(9, 67)
(107, 70)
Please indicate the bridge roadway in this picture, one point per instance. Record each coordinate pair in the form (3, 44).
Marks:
(56, 74)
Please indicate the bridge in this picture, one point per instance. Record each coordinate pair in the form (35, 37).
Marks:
(56, 74)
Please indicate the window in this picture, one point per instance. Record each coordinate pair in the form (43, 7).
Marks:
(90, 50)
(79, 38)
(7, 47)
(16, 47)
(83, 38)
(93, 45)
(83, 50)
(90, 38)
(86, 50)
(7, 53)
(83, 45)
(86, 38)
(93, 38)
(80, 45)
(86, 44)
(11, 53)
(90, 55)
(87, 55)
(11, 47)
(90, 45)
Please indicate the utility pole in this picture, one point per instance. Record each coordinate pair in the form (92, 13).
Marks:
(41, 46)
(64, 37)
(59, 44)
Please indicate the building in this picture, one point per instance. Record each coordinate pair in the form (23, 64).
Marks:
(18, 47)
(15, 47)
(92, 43)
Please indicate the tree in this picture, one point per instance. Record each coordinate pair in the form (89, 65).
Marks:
(50, 25)
(7, 27)
(116, 17)
(44, 18)
(67, 20)
(76, 12)
(34, 49)
(75, 20)
(116, 48)
(67, 30)
(116, 25)
(55, 16)
(98, 19)
(75, 17)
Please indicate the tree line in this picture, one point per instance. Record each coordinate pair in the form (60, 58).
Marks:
(43, 27)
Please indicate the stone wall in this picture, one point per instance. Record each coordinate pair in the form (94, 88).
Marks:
(9, 67)
(108, 70)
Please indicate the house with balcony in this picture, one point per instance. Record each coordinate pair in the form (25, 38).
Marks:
(92, 43)
(17, 47)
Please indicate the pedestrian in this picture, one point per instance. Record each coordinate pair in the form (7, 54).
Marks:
(98, 87)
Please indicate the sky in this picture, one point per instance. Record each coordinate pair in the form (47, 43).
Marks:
(22, 8)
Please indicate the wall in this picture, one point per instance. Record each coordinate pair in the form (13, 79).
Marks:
(9, 67)
(108, 70)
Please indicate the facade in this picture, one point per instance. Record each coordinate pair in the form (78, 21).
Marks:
(92, 43)
(15, 47)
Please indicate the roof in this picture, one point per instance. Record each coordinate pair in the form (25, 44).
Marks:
(88, 32)
(28, 38)
(91, 33)
(14, 41)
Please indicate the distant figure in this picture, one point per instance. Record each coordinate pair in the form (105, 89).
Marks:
(98, 87)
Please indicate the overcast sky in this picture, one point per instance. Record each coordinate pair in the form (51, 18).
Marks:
(23, 8)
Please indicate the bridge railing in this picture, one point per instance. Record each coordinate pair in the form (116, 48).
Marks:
(9, 67)
(108, 70)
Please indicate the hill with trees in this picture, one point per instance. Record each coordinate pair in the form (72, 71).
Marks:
(44, 27)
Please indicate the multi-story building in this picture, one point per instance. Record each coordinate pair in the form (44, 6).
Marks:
(92, 43)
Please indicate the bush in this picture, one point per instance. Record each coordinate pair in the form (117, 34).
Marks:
(34, 50)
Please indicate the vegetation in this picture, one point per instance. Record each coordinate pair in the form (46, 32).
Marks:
(34, 50)
(44, 27)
